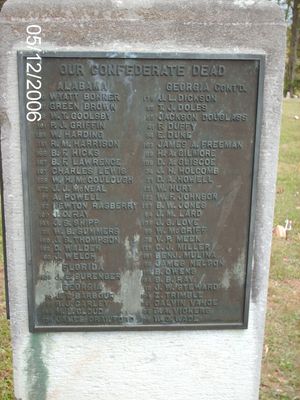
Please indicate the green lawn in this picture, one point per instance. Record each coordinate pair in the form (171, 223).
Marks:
(281, 363)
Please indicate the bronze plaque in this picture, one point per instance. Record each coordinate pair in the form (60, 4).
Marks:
(139, 181)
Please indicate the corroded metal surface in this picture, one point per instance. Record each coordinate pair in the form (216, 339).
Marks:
(139, 184)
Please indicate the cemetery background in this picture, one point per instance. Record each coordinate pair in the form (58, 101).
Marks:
(281, 365)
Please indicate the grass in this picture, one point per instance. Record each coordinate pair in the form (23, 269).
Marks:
(6, 384)
(281, 359)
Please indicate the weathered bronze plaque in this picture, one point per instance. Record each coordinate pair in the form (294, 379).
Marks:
(139, 180)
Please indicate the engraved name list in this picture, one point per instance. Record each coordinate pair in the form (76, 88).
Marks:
(138, 186)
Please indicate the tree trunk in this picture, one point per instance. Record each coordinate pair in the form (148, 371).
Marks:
(292, 60)
(1, 3)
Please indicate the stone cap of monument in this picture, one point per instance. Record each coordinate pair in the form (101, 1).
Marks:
(187, 11)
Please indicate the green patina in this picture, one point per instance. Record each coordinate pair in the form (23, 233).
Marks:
(37, 373)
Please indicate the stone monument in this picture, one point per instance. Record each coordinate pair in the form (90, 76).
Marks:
(139, 147)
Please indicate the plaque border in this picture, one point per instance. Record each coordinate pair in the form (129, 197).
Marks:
(21, 56)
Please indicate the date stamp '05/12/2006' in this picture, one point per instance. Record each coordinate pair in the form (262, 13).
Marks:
(33, 74)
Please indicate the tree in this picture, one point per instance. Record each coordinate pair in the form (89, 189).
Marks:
(292, 16)
(292, 82)
(1, 3)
